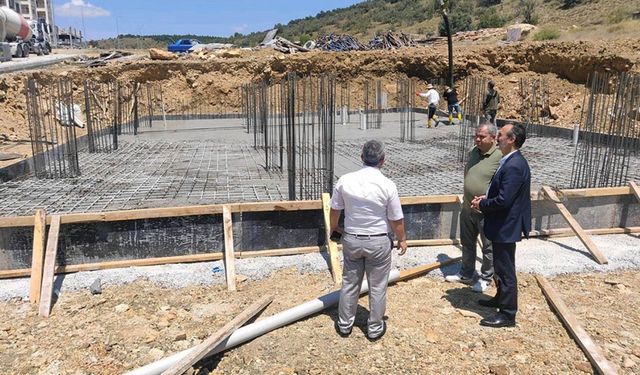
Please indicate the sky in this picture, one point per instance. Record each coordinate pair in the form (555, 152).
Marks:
(100, 19)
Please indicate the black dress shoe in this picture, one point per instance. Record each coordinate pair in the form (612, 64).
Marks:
(339, 331)
(376, 338)
(488, 302)
(497, 321)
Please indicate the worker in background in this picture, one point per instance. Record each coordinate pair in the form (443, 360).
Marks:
(371, 211)
(482, 163)
(433, 99)
(491, 102)
(453, 104)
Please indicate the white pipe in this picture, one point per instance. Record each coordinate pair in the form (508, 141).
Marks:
(251, 331)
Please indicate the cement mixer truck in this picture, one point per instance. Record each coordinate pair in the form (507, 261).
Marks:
(15, 34)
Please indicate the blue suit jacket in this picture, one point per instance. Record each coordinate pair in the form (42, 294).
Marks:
(507, 207)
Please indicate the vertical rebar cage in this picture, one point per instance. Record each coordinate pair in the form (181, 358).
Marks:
(405, 95)
(100, 115)
(534, 108)
(610, 131)
(474, 90)
(53, 117)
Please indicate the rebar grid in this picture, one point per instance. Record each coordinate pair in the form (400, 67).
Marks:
(610, 131)
(52, 117)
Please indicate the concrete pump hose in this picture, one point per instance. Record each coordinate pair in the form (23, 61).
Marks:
(259, 328)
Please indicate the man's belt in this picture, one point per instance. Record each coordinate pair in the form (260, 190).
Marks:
(368, 235)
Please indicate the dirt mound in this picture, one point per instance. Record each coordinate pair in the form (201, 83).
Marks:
(433, 328)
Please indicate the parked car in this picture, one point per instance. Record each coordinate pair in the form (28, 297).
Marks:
(182, 45)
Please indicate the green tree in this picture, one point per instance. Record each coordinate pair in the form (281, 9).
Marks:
(489, 19)
(528, 8)
(459, 21)
(488, 3)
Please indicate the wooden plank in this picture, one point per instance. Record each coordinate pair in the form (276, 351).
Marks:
(118, 264)
(152, 213)
(421, 270)
(589, 347)
(278, 252)
(214, 340)
(37, 255)
(229, 255)
(568, 232)
(46, 294)
(16, 221)
(586, 240)
(22, 272)
(636, 190)
(433, 242)
(589, 192)
(429, 199)
(334, 259)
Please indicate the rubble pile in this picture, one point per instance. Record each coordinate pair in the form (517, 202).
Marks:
(391, 40)
(339, 43)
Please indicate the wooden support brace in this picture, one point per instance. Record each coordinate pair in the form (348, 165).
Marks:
(229, 254)
(37, 255)
(334, 259)
(421, 270)
(636, 190)
(211, 342)
(586, 240)
(46, 294)
(589, 347)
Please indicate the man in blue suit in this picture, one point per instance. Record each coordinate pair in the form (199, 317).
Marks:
(507, 216)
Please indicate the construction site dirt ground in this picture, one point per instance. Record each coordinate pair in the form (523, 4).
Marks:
(432, 325)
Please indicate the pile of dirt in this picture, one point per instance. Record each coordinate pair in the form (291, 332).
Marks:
(215, 81)
(433, 328)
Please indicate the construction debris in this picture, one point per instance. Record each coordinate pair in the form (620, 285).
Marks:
(391, 40)
(103, 58)
(210, 47)
(519, 31)
(339, 43)
(284, 45)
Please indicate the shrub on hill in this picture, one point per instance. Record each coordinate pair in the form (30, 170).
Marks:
(546, 34)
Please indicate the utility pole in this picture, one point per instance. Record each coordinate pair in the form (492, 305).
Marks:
(444, 5)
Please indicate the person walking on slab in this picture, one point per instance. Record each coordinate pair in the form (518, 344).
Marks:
(491, 102)
(433, 99)
(482, 163)
(371, 210)
(507, 217)
(453, 104)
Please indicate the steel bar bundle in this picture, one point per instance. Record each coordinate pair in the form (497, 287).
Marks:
(474, 90)
(406, 89)
(53, 117)
(610, 131)
(391, 40)
(534, 108)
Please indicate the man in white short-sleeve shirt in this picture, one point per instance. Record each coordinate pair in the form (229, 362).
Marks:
(371, 212)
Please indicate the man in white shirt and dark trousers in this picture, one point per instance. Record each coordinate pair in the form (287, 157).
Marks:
(433, 99)
(372, 209)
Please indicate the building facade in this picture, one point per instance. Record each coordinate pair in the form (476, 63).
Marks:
(34, 9)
